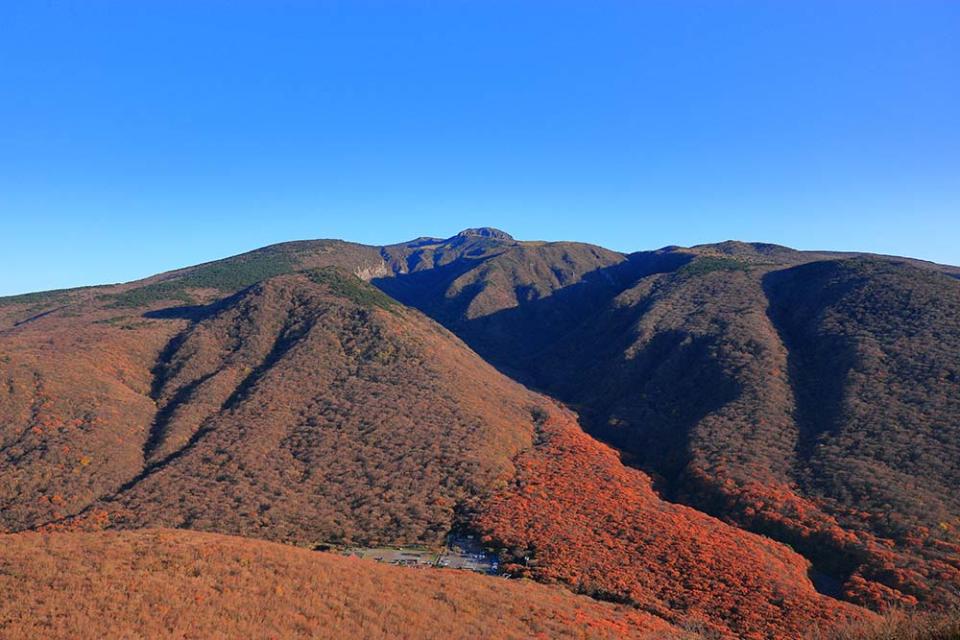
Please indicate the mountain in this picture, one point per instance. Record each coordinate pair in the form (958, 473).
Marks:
(326, 392)
(811, 397)
(308, 407)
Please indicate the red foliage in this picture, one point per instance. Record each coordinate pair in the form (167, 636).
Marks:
(581, 518)
(887, 574)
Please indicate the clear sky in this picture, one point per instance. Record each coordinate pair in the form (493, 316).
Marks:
(137, 137)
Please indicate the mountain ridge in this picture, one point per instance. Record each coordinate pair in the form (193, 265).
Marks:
(779, 403)
(364, 256)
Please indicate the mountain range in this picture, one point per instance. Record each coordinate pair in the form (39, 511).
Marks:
(736, 440)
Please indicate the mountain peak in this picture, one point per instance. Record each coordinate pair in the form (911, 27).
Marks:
(485, 232)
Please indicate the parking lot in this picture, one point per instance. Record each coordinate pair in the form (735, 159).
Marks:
(461, 551)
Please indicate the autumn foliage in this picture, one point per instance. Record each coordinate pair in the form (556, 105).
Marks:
(899, 624)
(577, 516)
(812, 400)
(309, 408)
(810, 397)
(179, 584)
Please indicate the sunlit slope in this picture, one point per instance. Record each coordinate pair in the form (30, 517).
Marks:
(576, 515)
(182, 584)
(308, 407)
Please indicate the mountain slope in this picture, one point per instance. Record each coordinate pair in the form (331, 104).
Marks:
(814, 404)
(308, 407)
(294, 413)
(181, 584)
(796, 394)
(576, 515)
(278, 395)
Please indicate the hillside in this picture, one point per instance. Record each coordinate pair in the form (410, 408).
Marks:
(804, 396)
(308, 407)
(576, 515)
(747, 389)
(179, 584)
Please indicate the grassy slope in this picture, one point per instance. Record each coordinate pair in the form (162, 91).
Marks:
(176, 584)
(309, 407)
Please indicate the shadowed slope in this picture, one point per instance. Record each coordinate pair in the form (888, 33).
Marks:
(874, 361)
(514, 300)
(827, 422)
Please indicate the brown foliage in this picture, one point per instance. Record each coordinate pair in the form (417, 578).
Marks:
(805, 397)
(293, 414)
(816, 404)
(177, 584)
(292, 411)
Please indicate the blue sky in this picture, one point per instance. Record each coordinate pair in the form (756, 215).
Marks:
(137, 137)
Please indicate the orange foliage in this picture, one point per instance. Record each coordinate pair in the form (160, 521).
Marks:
(884, 576)
(580, 517)
(180, 584)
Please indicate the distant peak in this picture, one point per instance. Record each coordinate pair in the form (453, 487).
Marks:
(485, 232)
(737, 247)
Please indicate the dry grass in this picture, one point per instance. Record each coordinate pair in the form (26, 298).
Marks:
(162, 583)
